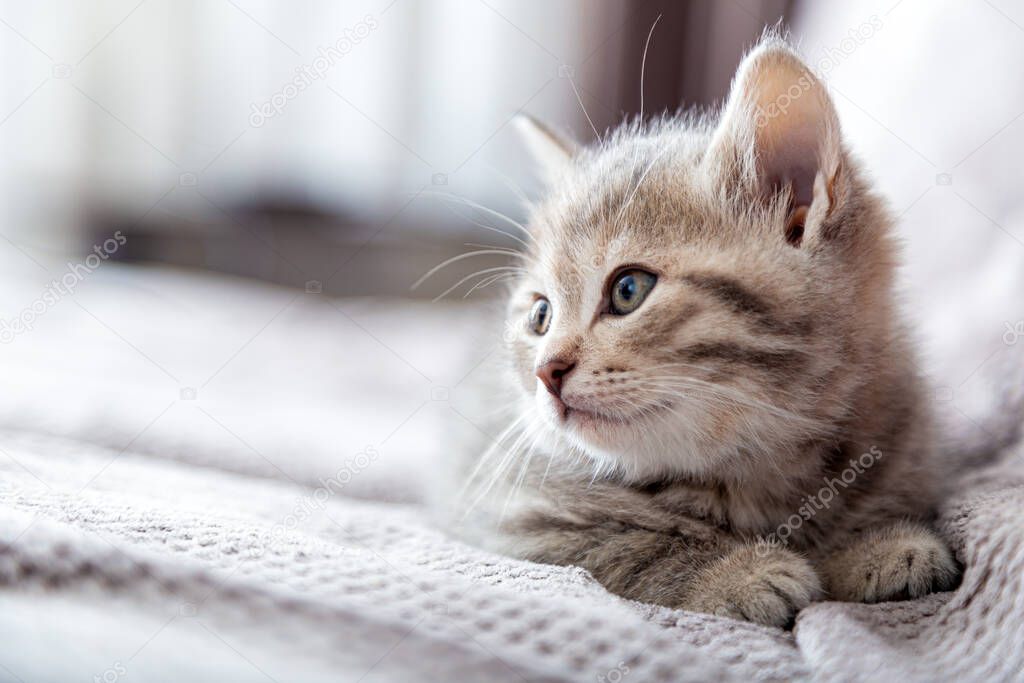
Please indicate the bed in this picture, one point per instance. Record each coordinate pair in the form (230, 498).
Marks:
(209, 479)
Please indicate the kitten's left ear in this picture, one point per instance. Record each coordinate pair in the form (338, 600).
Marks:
(550, 151)
(779, 131)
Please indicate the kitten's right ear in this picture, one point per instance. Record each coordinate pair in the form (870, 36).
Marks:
(550, 151)
(779, 132)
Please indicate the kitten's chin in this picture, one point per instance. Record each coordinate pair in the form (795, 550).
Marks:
(615, 441)
(655, 443)
(582, 417)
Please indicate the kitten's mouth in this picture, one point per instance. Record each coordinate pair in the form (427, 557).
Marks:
(580, 414)
(570, 413)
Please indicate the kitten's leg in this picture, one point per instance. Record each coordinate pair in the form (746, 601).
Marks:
(764, 584)
(716, 574)
(897, 562)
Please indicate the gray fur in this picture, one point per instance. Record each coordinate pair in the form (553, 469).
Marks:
(759, 374)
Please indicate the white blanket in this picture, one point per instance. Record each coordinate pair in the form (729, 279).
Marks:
(205, 480)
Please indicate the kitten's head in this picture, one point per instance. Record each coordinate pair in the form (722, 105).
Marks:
(704, 295)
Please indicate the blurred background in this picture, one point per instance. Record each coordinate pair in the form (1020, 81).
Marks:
(213, 359)
(227, 201)
(295, 142)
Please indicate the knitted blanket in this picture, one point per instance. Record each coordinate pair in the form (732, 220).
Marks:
(204, 480)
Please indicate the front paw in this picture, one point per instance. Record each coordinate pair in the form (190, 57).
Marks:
(895, 563)
(763, 584)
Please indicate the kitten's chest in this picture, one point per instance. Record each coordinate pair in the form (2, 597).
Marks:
(754, 512)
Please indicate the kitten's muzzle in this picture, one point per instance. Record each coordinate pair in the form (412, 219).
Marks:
(552, 373)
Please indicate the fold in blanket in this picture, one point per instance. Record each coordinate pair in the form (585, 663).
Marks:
(163, 559)
(232, 532)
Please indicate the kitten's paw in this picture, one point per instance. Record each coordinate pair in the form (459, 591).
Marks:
(895, 563)
(763, 584)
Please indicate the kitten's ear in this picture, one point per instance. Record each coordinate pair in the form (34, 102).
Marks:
(550, 151)
(779, 130)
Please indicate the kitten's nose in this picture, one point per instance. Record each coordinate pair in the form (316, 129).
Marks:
(552, 373)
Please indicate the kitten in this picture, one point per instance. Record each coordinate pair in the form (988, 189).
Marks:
(706, 344)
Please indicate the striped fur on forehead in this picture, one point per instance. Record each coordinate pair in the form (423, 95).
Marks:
(648, 206)
(658, 436)
(743, 335)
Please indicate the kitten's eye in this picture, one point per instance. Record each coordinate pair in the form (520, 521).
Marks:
(629, 290)
(540, 316)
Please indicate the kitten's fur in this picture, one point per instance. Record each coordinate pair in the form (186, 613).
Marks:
(761, 369)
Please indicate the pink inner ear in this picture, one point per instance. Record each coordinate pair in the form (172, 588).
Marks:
(780, 115)
(790, 160)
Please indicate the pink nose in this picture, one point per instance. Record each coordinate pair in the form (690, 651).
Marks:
(552, 373)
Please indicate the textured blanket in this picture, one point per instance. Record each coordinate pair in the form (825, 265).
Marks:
(204, 480)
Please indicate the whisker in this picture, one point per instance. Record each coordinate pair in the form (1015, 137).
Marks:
(491, 450)
(481, 491)
(501, 469)
(512, 186)
(580, 100)
(506, 250)
(454, 259)
(643, 65)
(724, 392)
(489, 280)
(774, 389)
(793, 419)
(522, 473)
(473, 275)
(480, 207)
(551, 459)
(492, 229)
(705, 368)
(640, 182)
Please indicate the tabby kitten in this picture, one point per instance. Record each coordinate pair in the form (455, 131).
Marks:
(707, 347)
